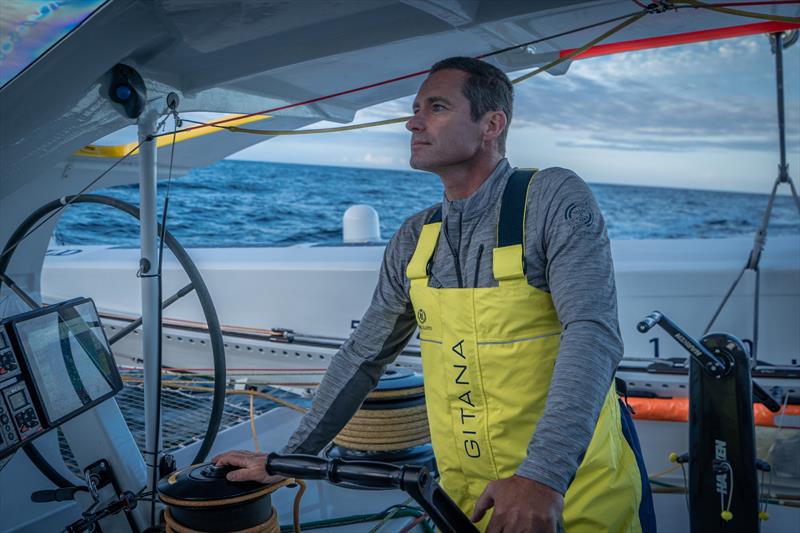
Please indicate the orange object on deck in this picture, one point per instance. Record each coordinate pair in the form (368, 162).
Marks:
(677, 410)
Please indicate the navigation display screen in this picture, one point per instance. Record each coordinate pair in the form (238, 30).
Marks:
(69, 358)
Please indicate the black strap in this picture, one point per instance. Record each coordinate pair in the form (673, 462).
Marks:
(436, 216)
(510, 228)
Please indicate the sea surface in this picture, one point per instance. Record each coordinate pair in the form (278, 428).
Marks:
(242, 203)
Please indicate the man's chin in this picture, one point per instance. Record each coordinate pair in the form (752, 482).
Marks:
(418, 164)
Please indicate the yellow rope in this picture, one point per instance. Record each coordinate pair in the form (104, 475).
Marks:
(619, 27)
(111, 151)
(740, 12)
(350, 127)
(256, 446)
(318, 130)
(265, 395)
(665, 472)
(387, 429)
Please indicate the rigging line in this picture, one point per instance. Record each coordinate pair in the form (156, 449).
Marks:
(619, 27)
(347, 127)
(690, 3)
(629, 19)
(406, 76)
(740, 12)
(557, 35)
(71, 200)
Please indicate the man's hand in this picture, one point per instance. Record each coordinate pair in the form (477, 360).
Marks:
(521, 505)
(251, 466)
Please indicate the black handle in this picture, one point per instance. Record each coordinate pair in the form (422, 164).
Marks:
(367, 474)
(711, 363)
(649, 321)
(415, 480)
(57, 495)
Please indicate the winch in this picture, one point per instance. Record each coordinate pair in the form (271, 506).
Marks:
(392, 424)
(200, 498)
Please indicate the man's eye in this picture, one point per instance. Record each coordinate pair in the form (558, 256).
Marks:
(438, 107)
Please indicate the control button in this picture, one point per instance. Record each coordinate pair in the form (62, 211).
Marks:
(19, 417)
(3, 370)
(8, 427)
(23, 429)
(33, 423)
(4, 419)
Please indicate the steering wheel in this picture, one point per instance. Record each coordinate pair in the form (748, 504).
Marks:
(196, 283)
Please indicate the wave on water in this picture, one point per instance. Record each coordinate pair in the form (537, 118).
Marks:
(244, 204)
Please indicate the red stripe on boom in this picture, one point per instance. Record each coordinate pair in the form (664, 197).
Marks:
(683, 38)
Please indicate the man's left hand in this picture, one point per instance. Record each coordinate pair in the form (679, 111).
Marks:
(521, 505)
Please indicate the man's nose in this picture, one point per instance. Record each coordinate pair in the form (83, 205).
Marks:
(414, 124)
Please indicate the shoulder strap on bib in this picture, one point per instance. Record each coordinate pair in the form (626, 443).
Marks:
(426, 245)
(508, 256)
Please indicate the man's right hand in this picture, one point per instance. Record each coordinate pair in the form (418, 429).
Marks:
(251, 466)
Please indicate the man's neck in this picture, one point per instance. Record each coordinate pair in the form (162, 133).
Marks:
(460, 181)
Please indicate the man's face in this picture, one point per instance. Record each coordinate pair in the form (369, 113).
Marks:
(442, 131)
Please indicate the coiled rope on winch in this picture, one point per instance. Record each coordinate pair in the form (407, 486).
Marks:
(392, 417)
(385, 430)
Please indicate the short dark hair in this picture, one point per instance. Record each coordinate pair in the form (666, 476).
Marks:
(487, 88)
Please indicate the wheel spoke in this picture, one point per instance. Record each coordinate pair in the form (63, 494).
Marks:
(19, 292)
(186, 289)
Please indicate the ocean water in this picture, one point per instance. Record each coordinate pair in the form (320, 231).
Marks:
(241, 203)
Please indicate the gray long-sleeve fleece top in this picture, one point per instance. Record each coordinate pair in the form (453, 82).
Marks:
(567, 254)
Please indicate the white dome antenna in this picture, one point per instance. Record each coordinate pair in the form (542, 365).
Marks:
(361, 223)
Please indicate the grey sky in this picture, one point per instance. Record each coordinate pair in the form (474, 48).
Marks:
(696, 116)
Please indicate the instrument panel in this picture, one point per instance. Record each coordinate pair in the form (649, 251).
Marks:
(55, 363)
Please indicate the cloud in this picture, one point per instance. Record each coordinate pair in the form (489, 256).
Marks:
(660, 144)
(380, 160)
(709, 95)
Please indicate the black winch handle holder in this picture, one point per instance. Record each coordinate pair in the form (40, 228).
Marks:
(415, 480)
(714, 365)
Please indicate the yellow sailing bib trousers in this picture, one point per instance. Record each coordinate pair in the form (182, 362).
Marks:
(488, 357)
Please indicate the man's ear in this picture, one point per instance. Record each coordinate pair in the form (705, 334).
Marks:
(494, 124)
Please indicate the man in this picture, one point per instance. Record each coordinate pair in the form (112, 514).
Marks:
(511, 283)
